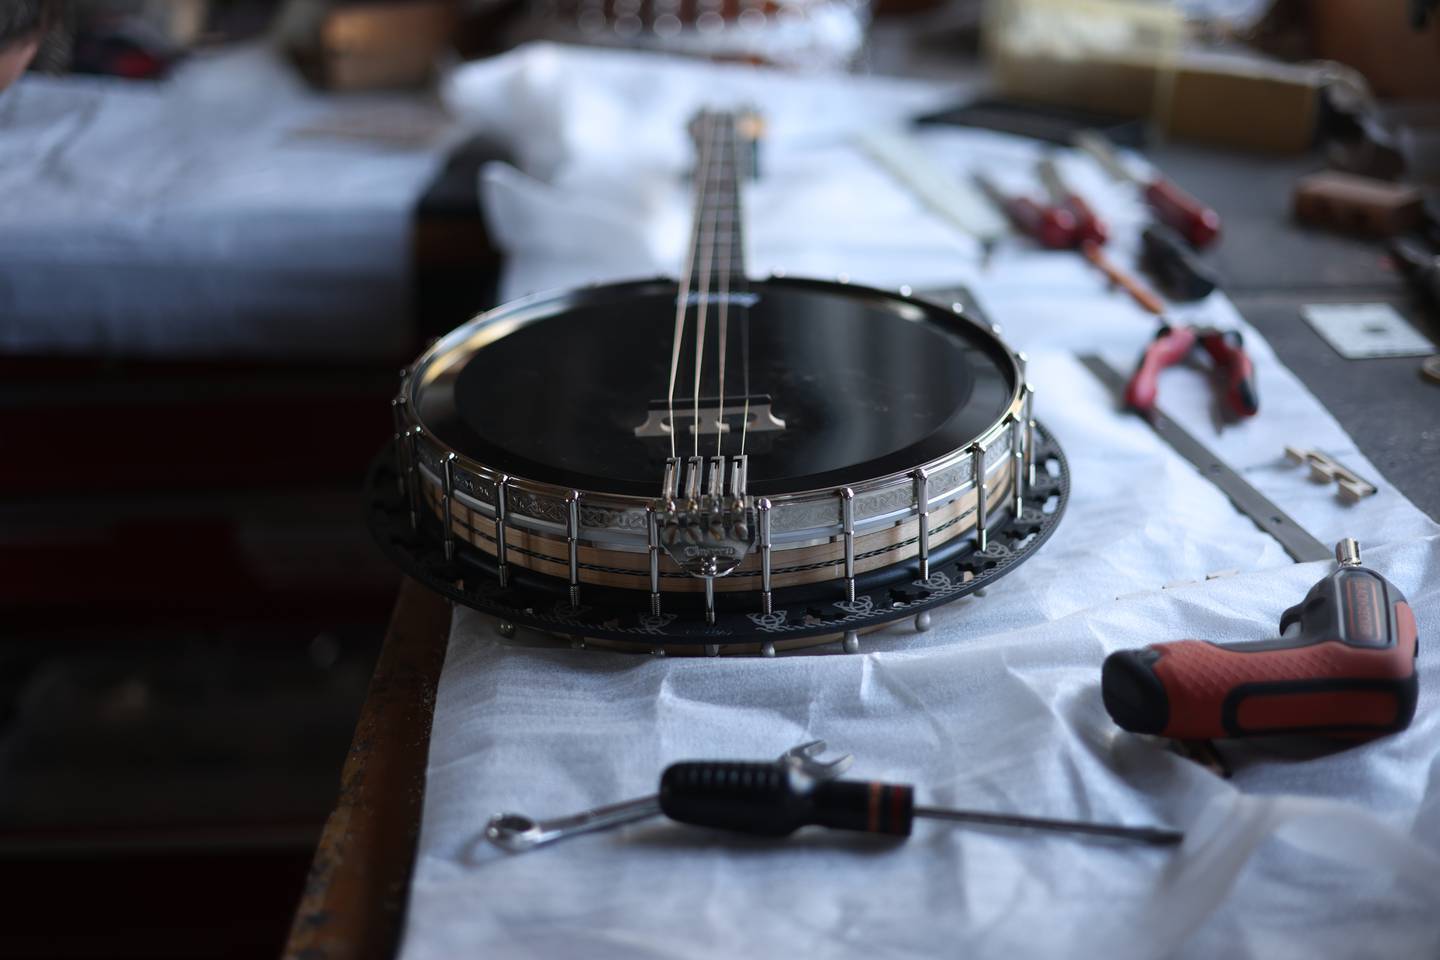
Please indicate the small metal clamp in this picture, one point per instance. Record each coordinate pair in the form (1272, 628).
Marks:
(1326, 469)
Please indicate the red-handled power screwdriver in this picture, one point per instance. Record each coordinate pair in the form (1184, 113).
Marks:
(1344, 665)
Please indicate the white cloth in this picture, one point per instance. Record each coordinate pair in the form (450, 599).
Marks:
(198, 217)
(998, 706)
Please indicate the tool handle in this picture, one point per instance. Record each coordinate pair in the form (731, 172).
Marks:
(1051, 227)
(768, 799)
(1357, 679)
(1175, 208)
(1179, 272)
(1089, 228)
(1168, 348)
(1237, 372)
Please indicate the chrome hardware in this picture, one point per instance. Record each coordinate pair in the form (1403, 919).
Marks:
(765, 595)
(847, 525)
(448, 497)
(852, 641)
(652, 526)
(982, 536)
(505, 628)
(712, 649)
(397, 415)
(739, 475)
(1029, 435)
(572, 540)
(670, 486)
(713, 418)
(1017, 460)
(922, 507)
(922, 621)
(716, 487)
(694, 477)
(412, 478)
(516, 833)
(1347, 553)
(502, 565)
(767, 649)
(710, 600)
(707, 536)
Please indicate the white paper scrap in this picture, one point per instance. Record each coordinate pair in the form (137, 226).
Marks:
(1360, 331)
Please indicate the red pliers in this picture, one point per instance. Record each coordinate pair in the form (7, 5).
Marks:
(1235, 373)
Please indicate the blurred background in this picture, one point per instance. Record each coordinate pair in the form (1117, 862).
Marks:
(225, 225)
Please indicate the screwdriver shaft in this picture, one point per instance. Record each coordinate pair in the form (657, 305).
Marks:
(1155, 836)
(1137, 290)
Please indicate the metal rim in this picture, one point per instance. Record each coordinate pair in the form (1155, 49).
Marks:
(846, 607)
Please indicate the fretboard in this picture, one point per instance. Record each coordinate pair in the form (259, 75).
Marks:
(722, 158)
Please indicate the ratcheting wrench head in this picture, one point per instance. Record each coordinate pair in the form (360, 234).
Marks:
(803, 758)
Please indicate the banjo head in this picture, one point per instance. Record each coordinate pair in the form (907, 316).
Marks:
(890, 463)
(866, 384)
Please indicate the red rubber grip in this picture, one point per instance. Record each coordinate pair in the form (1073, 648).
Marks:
(1237, 372)
(1175, 208)
(1215, 691)
(1088, 227)
(1165, 350)
(1051, 227)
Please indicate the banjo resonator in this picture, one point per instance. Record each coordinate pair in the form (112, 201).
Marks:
(895, 463)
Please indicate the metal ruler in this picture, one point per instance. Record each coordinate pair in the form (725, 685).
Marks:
(1295, 539)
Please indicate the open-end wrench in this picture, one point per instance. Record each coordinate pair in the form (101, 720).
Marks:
(516, 833)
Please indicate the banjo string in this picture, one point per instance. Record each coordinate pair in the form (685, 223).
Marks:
(682, 297)
(742, 283)
(707, 257)
(728, 187)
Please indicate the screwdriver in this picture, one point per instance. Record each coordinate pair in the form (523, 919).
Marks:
(776, 799)
(1175, 208)
(1051, 227)
(1089, 228)
(762, 799)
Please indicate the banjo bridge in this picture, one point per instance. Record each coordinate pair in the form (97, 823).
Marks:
(705, 520)
(753, 413)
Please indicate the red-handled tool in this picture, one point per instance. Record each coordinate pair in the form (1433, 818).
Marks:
(1344, 665)
(1234, 369)
(1089, 228)
(1197, 223)
(1051, 227)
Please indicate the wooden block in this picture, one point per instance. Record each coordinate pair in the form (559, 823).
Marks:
(1354, 204)
(367, 46)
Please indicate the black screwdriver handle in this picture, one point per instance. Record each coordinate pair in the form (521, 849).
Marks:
(771, 800)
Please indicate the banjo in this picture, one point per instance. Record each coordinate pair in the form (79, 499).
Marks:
(716, 463)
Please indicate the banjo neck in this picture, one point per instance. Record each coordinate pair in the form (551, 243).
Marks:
(723, 151)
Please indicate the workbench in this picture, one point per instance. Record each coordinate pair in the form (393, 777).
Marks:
(1270, 267)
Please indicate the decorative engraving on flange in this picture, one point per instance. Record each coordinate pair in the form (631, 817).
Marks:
(861, 606)
(655, 623)
(769, 622)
